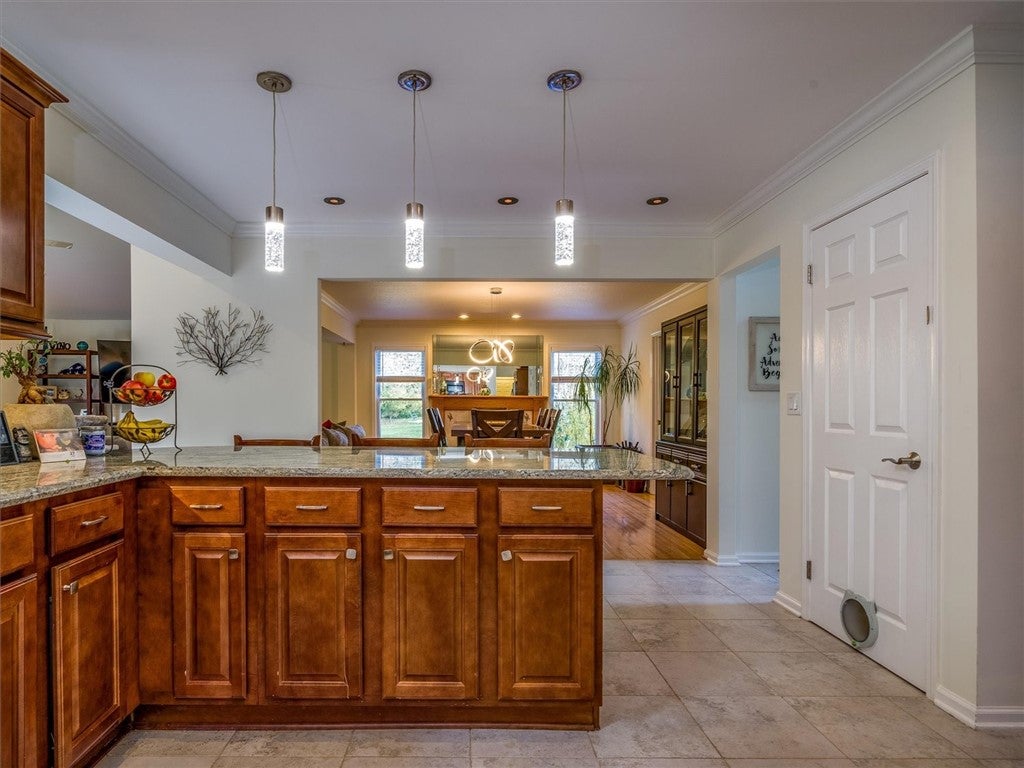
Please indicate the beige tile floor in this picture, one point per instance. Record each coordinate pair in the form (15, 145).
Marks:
(701, 670)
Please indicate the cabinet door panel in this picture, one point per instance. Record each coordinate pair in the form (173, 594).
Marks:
(88, 599)
(209, 615)
(314, 616)
(430, 632)
(18, 693)
(697, 513)
(546, 617)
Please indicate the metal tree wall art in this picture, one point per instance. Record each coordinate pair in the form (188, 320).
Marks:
(222, 343)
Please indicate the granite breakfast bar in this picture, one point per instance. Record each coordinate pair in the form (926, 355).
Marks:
(303, 587)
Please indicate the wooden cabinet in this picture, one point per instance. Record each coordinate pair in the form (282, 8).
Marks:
(89, 653)
(23, 101)
(430, 631)
(19, 696)
(314, 612)
(682, 504)
(208, 598)
(546, 617)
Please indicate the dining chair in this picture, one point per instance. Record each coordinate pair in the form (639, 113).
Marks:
(437, 425)
(498, 423)
(544, 441)
(240, 441)
(396, 442)
(547, 418)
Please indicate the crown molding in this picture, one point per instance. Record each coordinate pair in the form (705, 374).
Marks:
(988, 44)
(655, 304)
(335, 306)
(255, 229)
(87, 117)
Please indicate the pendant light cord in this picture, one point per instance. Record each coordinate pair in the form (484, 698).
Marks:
(273, 132)
(414, 89)
(565, 98)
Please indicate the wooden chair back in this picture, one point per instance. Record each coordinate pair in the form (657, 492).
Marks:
(239, 441)
(547, 418)
(499, 423)
(437, 424)
(396, 442)
(472, 443)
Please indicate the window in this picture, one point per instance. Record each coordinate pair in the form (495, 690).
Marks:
(400, 385)
(578, 424)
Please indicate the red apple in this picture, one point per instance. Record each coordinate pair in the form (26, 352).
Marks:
(154, 395)
(166, 381)
(134, 390)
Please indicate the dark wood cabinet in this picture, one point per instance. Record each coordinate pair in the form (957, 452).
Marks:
(208, 598)
(429, 647)
(19, 694)
(89, 651)
(314, 615)
(682, 504)
(23, 101)
(546, 617)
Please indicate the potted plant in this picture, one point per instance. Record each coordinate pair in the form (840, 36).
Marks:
(632, 486)
(21, 363)
(614, 379)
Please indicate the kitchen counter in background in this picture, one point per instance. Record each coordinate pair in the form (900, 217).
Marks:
(32, 481)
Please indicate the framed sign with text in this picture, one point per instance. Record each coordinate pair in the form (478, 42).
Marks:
(765, 368)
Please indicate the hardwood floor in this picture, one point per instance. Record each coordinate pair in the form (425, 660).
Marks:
(632, 533)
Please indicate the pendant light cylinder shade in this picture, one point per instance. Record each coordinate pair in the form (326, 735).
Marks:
(564, 233)
(273, 253)
(414, 236)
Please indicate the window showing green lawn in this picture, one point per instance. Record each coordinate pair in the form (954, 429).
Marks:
(400, 387)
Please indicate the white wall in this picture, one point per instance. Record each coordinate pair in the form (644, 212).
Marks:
(942, 122)
(1000, 137)
(757, 421)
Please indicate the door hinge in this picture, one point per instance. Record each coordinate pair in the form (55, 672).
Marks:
(928, 314)
(810, 274)
(808, 570)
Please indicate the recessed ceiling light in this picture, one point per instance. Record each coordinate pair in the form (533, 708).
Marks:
(516, 316)
(660, 200)
(334, 200)
(463, 316)
(508, 200)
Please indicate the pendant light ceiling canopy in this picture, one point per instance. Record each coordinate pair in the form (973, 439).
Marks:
(414, 80)
(564, 80)
(273, 249)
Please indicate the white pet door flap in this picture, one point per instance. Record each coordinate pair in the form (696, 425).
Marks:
(857, 614)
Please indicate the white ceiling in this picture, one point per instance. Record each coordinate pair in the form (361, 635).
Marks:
(535, 301)
(700, 101)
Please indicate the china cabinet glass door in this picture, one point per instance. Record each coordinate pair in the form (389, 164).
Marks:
(700, 380)
(670, 386)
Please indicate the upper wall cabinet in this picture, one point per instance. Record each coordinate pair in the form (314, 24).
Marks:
(684, 404)
(23, 99)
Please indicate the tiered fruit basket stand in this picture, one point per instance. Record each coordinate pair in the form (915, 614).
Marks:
(127, 399)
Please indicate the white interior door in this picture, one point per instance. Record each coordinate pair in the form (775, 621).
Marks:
(871, 396)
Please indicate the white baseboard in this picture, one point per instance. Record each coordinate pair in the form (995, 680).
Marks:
(1000, 717)
(956, 705)
(791, 604)
(724, 560)
(757, 557)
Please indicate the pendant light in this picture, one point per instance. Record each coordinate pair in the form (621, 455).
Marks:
(564, 80)
(273, 247)
(414, 80)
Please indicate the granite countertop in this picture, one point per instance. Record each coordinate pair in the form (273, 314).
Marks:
(31, 481)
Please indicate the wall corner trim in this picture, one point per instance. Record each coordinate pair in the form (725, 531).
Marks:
(788, 602)
(956, 705)
(726, 561)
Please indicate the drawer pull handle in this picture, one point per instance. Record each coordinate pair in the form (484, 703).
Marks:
(72, 588)
(506, 555)
(389, 554)
(206, 506)
(541, 508)
(428, 508)
(311, 507)
(232, 554)
(350, 554)
(98, 521)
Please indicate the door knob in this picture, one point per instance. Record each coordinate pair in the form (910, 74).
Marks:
(912, 460)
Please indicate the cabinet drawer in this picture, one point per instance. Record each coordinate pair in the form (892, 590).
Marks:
(72, 525)
(546, 506)
(16, 543)
(313, 506)
(428, 506)
(207, 505)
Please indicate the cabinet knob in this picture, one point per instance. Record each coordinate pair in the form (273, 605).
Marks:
(506, 555)
(232, 554)
(389, 554)
(350, 554)
(72, 588)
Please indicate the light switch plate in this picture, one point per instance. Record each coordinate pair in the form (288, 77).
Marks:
(793, 404)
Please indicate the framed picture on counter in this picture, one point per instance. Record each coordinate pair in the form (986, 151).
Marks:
(59, 445)
(8, 453)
